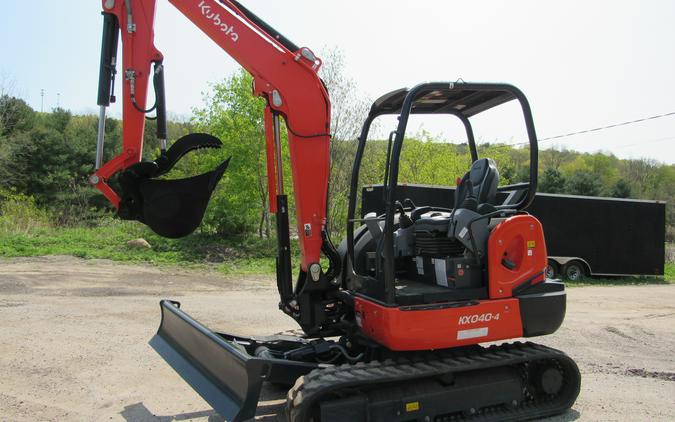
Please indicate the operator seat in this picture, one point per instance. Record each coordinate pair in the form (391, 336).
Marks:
(477, 190)
(474, 197)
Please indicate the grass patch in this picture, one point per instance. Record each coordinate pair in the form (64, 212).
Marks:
(669, 272)
(238, 255)
(668, 278)
(618, 281)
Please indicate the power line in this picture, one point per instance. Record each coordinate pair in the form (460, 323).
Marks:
(596, 129)
(667, 138)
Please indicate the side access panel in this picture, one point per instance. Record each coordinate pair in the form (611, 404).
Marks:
(218, 366)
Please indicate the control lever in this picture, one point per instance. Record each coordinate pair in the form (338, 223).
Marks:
(470, 201)
(403, 220)
(417, 212)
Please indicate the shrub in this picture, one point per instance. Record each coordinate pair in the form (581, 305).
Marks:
(20, 214)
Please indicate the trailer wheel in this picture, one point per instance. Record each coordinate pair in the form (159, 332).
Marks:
(552, 269)
(574, 271)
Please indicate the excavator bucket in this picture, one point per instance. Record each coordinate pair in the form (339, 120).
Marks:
(222, 368)
(175, 208)
(170, 207)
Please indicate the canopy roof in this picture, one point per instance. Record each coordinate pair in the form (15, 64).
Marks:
(467, 99)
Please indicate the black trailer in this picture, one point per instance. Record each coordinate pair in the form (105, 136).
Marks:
(585, 235)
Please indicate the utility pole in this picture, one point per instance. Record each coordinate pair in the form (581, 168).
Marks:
(42, 100)
(58, 100)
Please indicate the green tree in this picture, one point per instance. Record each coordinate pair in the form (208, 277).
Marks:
(49, 164)
(15, 168)
(508, 174)
(604, 167)
(236, 117)
(57, 120)
(15, 115)
(552, 181)
(583, 183)
(621, 189)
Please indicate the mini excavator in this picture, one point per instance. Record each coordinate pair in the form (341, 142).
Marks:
(392, 327)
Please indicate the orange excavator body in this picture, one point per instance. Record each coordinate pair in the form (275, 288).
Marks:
(392, 325)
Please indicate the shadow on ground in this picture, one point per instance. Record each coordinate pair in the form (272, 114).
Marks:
(569, 416)
(267, 413)
(139, 413)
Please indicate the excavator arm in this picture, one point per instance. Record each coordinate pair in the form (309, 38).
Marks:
(284, 74)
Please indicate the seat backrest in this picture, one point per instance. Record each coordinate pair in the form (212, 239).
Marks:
(478, 186)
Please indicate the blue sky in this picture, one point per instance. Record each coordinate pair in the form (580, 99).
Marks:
(582, 64)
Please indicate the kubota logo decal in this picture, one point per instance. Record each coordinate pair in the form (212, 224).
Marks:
(216, 19)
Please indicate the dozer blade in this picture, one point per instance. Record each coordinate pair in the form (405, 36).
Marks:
(171, 208)
(218, 366)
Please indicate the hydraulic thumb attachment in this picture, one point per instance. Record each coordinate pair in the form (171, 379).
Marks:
(171, 208)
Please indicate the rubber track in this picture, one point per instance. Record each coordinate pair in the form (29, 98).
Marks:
(308, 390)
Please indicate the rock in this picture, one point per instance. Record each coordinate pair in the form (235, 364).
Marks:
(139, 244)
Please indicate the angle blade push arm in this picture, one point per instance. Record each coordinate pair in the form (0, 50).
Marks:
(285, 75)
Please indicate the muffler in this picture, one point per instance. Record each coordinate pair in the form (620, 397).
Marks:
(223, 368)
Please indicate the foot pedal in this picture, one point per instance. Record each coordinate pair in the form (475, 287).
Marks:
(171, 208)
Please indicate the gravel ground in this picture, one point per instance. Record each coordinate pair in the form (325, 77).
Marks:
(74, 333)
